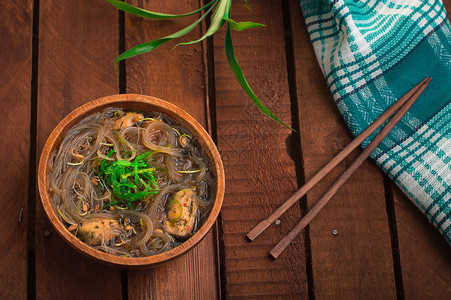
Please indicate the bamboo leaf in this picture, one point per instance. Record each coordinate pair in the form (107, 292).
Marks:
(149, 46)
(247, 5)
(216, 21)
(240, 26)
(150, 14)
(233, 63)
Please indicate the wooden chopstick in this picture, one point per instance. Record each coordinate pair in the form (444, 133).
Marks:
(257, 230)
(275, 252)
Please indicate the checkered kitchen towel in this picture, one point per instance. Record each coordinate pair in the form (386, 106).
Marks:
(371, 53)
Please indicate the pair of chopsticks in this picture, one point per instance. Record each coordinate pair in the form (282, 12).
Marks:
(402, 106)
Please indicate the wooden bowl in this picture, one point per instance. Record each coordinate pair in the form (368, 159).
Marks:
(145, 104)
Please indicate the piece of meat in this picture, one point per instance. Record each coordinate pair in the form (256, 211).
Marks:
(92, 231)
(127, 120)
(181, 213)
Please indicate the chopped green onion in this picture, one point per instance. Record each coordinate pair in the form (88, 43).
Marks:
(78, 210)
(149, 119)
(62, 216)
(75, 164)
(176, 131)
(189, 172)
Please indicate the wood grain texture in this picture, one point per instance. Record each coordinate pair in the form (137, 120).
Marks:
(260, 174)
(178, 77)
(78, 41)
(425, 254)
(331, 165)
(344, 177)
(15, 91)
(351, 264)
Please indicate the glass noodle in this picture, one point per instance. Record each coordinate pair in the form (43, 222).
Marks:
(117, 174)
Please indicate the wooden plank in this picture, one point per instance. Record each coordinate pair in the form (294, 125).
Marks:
(260, 173)
(177, 76)
(76, 51)
(425, 254)
(15, 91)
(353, 263)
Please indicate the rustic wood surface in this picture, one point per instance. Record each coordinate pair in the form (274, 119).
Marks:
(346, 175)
(425, 257)
(58, 55)
(362, 245)
(177, 76)
(260, 174)
(15, 93)
(74, 68)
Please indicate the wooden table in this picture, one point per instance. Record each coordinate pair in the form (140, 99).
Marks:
(57, 55)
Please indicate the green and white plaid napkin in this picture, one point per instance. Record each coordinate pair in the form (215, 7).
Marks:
(371, 53)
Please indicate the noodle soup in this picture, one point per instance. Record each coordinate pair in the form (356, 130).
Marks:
(131, 184)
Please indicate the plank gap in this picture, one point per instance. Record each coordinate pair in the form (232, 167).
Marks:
(31, 203)
(251, 136)
(296, 137)
(208, 50)
(182, 77)
(65, 53)
(124, 284)
(392, 226)
(210, 110)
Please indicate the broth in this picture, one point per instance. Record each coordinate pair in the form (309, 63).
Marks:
(131, 183)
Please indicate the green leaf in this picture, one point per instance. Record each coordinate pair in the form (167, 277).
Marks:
(216, 21)
(149, 46)
(233, 63)
(240, 26)
(247, 5)
(150, 14)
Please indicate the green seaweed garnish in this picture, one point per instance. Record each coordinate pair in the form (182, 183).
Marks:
(129, 180)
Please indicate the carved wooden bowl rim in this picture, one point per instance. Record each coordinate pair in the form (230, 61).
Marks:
(142, 103)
